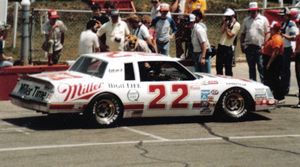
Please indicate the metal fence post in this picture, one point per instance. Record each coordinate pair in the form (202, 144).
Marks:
(15, 24)
(25, 32)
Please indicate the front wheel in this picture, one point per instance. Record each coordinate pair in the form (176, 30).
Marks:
(107, 110)
(235, 103)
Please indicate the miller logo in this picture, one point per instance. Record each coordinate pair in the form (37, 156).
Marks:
(78, 91)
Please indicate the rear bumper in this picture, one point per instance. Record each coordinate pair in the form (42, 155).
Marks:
(47, 107)
(29, 104)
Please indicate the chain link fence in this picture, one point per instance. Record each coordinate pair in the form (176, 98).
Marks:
(76, 20)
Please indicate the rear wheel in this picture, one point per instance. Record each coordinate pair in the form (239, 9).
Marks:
(235, 103)
(106, 110)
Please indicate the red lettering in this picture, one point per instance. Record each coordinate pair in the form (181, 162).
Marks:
(77, 91)
(162, 92)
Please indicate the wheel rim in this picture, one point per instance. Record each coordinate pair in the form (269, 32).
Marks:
(234, 104)
(105, 111)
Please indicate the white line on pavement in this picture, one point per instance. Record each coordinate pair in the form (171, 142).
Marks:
(144, 141)
(145, 134)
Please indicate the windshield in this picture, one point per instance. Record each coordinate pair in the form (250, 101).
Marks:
(90, 66)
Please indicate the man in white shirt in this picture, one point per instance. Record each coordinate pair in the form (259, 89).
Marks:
(229, 29)
(88, 41)
(115, 30)
(200, 42)
(254, 32)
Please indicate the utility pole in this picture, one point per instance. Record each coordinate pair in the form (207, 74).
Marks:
(265, 5)
(25, 43)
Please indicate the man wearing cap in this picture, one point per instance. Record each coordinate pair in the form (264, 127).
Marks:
(289, 31)
(272, 61)
(165, 28)
(5, 61)
(54, 30)
(115, 31)
(229, 29)
(155, 9)
(254, 32)
(200, 42)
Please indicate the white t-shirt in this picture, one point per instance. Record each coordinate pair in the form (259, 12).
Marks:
(290, 30)
(199, 35)
(115, 34)
(88, 41)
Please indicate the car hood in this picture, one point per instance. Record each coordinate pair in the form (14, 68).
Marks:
(209, 79)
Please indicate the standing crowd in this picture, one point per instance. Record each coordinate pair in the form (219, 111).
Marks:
(268, 46)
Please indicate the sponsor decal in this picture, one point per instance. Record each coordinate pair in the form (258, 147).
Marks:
(33, 91)
(133, 95)
(236, 84)
(127, 86)
(59, 76)
(78, 91)
(260, 91)
(214, 92)
(212, 82)
(115, 70)
(204, 95)
(257, 96)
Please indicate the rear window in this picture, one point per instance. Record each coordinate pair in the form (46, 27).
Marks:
(90, 66)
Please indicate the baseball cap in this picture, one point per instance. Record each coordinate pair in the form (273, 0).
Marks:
(275, 25)
(164, 7)
(253, 6)
(229, 12)
(114, 13)
(192, 17)
(52, 14)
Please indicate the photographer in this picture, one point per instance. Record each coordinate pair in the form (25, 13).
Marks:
(229, 29)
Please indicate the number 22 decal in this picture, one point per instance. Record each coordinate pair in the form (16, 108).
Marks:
(154, 104)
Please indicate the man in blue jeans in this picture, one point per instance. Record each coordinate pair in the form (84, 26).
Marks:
(165, 29)
(253, 34)
(200, 42)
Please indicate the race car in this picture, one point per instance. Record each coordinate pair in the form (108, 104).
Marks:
(108, 87)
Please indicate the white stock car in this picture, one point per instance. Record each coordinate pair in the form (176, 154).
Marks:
(110, 86)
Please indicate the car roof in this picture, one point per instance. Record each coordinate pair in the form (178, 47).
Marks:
(130, 56)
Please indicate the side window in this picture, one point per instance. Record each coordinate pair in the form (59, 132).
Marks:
(129, 72)
(163, 71)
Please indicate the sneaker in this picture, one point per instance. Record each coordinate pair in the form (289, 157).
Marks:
(282, 101)
(296, 106)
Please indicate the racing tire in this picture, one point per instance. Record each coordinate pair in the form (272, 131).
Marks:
(234, 104)
(106, 110)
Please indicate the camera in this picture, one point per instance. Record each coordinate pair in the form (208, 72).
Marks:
(117, 39)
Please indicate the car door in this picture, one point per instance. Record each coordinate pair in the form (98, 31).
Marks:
(168, 89)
